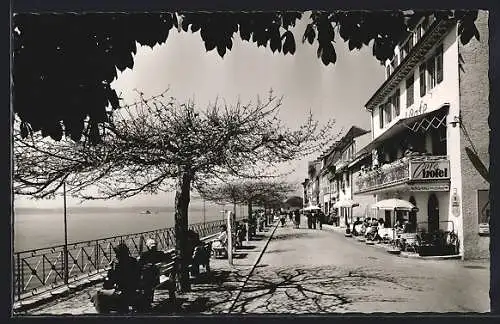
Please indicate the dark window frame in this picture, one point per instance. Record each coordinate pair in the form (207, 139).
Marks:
(410, 86)
(422, 79)
(439, 64)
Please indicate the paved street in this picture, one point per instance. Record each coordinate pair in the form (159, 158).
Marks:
(316, 271)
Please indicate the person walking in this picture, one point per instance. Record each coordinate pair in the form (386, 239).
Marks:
(314, 218)
(321, 219)
(297, 219)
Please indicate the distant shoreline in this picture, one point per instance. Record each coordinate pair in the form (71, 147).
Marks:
(94, 209)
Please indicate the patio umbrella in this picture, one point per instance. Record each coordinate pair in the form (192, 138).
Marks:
(311, 208)
(395, 204)
(345, 203)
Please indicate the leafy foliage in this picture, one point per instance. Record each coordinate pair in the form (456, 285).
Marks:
(64, 63)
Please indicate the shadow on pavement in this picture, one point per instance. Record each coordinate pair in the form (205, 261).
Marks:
(278, 251)
(312, 290)
(290, 236)
(210, 293)
(246, 247)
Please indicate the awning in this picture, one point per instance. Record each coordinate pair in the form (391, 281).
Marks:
(423, 122)
(394, 204)
(308, 208)
(345, 203)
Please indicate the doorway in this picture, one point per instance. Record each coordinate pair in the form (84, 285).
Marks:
(433, 213)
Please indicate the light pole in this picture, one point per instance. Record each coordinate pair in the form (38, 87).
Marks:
(204, 211)
(65, 250)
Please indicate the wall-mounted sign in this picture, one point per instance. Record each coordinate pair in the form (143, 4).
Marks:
(430, 170)
(455, 203)
(483, 206)
(484, 229)
(429, 187)
(417, 110)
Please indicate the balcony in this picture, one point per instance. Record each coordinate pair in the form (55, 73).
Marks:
(418, 173)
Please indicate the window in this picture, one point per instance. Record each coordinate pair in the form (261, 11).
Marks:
(409, 91)
(419, 32)
(347, 179)
(395, 103)
(388, 112)
(388, 71)
(431, 73)
(402, 53)
(381, 115)
(439, 64)
(422, 80)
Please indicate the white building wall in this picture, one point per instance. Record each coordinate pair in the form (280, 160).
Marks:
(445, 92)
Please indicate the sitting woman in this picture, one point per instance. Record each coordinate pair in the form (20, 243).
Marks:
(219, 245)
(121, 284)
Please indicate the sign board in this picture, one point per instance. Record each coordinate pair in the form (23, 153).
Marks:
(484, 229)
(429, 187)
(455, 204)
(429, 170)
(483, 206)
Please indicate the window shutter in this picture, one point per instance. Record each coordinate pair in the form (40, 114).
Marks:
(381, 115)
(439, 64)
(396, 103)
(409, 91)
(422, 80)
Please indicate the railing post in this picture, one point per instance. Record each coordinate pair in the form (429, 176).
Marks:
(18, 272)
(65, 266)
(96, 256)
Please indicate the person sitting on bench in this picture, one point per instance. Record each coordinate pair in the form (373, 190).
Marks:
(150, 273)
(121, 284)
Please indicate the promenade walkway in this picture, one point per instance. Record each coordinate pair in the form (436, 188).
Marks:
(211, 294)
(321, 271)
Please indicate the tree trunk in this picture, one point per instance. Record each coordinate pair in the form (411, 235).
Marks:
(250, 216)
(234, 212)
(182, 197)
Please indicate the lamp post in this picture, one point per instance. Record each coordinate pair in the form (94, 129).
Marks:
(204, 211)
(65, 250)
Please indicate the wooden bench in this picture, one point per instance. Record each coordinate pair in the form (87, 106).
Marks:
(168, 274)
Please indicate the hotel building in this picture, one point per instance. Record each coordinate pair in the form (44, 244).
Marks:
(431, 107)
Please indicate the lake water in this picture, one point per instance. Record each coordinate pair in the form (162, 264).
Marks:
(39, 228)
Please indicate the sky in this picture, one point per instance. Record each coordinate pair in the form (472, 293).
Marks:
(182, 64)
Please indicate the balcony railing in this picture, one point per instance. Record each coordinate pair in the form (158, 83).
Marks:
(42, 270)
(406, 169)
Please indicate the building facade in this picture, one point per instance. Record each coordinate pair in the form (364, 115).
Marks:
(431, 107)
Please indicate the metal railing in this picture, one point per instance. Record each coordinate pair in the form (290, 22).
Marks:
(42, 270)
(394, 173)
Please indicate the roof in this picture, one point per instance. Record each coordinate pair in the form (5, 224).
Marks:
(352, 133)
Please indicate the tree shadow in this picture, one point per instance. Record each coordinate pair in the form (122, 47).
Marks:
(246, 247)
(312, 290)
(292, 235)
(209, 293)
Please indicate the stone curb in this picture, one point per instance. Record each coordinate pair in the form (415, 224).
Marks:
(256, 262)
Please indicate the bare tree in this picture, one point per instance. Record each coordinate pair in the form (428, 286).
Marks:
(261, 192)
(159, 143)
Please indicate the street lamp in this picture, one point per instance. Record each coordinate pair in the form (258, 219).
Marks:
(65, 250)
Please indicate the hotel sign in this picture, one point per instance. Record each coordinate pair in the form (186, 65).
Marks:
(429, 187)
(430, 170)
